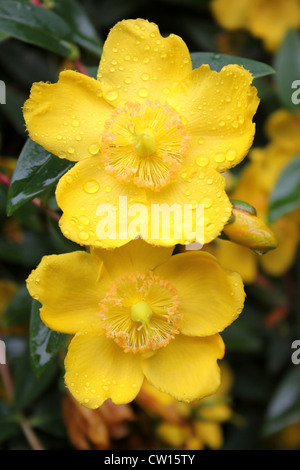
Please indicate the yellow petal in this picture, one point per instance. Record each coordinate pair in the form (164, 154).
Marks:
(98, 369)
(218, 108)
(271, 19)
(92, 205)
(87, 192)
(282, 127)
(187, 368)
(211, 298)
(231, 14)
(287, 231)
(237, 258)
(67, 117)
(137, 63)
(135, 256)
(210, 433)
(69, 287)
(200, 186)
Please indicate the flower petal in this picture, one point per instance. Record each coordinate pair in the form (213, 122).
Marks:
(287, 231)
(218, 108)
(137, 63)
(231, 14)
(70, 287)
(211, 298)
(201, 186)
(187, 368)
(135, 256)
(89, 198)
(270, 21)
(98, 369)
(237, 258)
(67, 117)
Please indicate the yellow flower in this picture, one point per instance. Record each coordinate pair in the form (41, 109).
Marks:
(255, 185)
(191, 426)
(268, 20)
(137, 312)
(149, 129)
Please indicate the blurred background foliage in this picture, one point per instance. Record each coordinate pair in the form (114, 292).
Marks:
(262, 406)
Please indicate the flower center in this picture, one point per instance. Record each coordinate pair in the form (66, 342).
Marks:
(140, 312)
(144, 144)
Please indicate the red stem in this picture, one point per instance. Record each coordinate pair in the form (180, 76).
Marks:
(37, 3)
(80, 67)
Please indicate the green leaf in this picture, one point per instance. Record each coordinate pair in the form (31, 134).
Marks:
(44, 343)
(285, 197)
(287, 66)
(27, 387)
(218, 61)
(284, 407)
(37, 25)
(83, 31)
(36, 171)
(18, 310)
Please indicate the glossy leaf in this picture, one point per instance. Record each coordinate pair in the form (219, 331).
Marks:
(36, 171)
(284, 407)
(83, 31)
(36, 25)
(285, 197)
(27, 387)
(218, 61)
(44, 343)
(287, 66)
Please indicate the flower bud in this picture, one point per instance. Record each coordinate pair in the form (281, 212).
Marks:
(246, 229)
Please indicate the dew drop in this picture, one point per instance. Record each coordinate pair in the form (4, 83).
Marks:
(145, 76)
(231, 155)
(111, 95)
(94, 149)
(59, 137)
(84, 220)
(71, 150)
(75, 123)
(207, 202)
(219, 158)
(83, 236)
(202, 161)
(91, 187)
(143, 92)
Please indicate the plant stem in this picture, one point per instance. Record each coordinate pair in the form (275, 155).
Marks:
(80, 67)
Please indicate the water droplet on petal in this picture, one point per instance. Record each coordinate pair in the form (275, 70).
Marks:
(91, 187)
(143, 92)
(94, 149)
(111, 95)
(83, 236)
(231, 155)
(202, 161)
